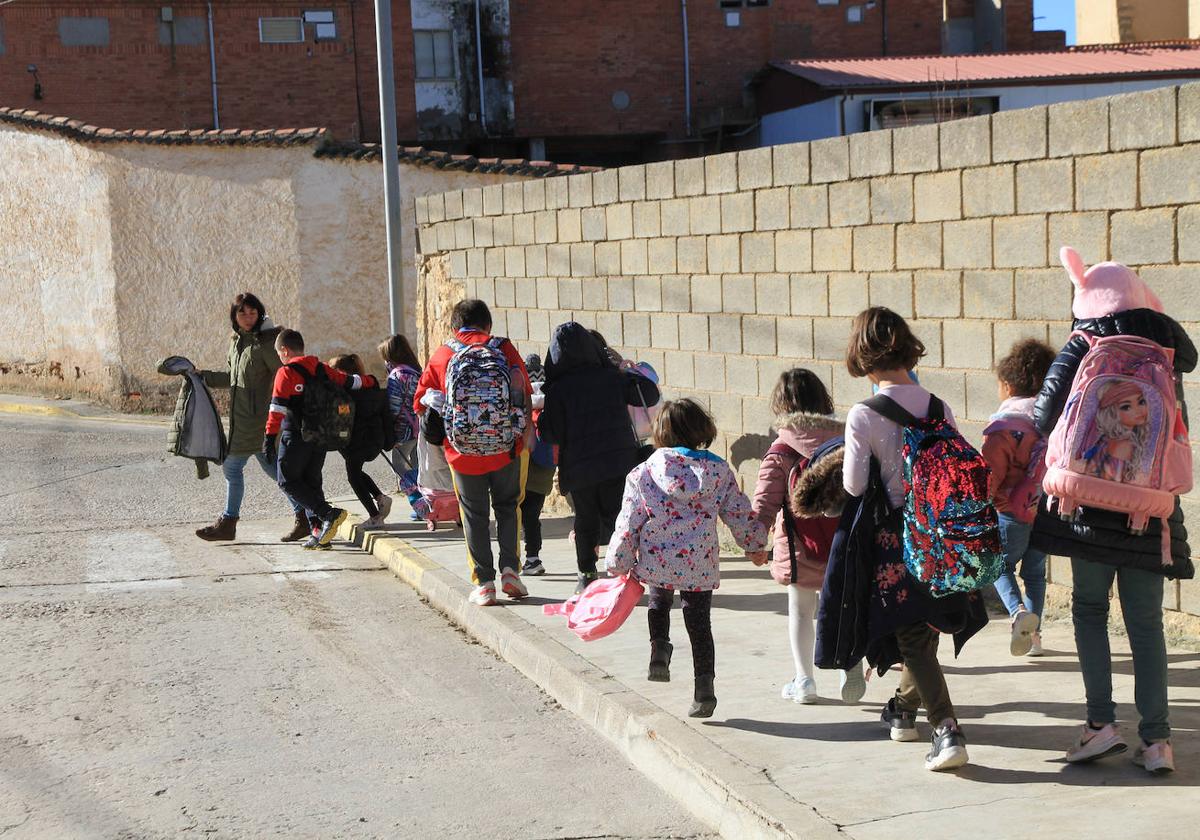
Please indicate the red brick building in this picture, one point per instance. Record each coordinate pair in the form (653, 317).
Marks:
(564, 79)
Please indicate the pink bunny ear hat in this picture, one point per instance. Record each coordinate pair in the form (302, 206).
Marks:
(1106, 287)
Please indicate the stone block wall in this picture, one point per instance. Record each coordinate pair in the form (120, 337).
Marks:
(723, 271)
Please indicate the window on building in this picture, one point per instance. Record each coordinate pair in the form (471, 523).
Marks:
(83, 31)
(280, 30)
(434, 50)
(827, 2)
(189, 32)
(854, 14)
(321, 24)
(1, 37)
(739, 4)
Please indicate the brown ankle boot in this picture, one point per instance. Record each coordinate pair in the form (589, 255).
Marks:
(300, 531)
(224, 529)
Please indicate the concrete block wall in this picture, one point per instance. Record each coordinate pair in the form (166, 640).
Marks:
(723, 271)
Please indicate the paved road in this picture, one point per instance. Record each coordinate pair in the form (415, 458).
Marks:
(152, 685)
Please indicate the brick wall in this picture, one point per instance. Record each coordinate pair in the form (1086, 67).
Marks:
(723, 271)
(137, 82)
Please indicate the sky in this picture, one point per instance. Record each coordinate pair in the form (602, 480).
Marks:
(1055, 14)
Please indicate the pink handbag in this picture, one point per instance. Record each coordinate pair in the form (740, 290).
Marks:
(600, 609)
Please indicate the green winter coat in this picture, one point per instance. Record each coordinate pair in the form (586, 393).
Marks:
(250, 380)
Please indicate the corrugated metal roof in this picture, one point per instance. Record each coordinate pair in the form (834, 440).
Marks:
(1081, 63)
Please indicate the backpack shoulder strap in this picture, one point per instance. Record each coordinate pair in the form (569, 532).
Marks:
(496, 342)
(299, 368)
(781, 448)
(936, 410)
(456, 345)
(885, 406)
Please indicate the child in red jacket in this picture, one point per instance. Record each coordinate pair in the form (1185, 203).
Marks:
(300, 462)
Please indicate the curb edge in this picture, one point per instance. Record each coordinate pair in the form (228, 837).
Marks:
(720, 790)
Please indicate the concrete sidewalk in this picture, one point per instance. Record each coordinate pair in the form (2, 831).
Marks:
(766, 767)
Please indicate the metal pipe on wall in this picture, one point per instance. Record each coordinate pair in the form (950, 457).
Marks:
(479, 62)
(212, 59)
(391, 161)
(687, 72)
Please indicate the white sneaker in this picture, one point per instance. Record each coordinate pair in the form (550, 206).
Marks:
(854, 686)
(1035, 646)
(1158, 758)
(801, 690)
(510, 583)
(384, 501)
(484, 595)
(1024, 625)
(1096, 743)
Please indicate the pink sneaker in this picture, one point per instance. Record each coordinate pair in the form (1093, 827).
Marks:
(1158, 758)
(1096, 743)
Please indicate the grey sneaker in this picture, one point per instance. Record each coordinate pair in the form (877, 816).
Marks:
(948, 750)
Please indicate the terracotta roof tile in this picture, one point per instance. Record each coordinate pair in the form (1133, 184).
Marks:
(325, 145)
(1093, 61)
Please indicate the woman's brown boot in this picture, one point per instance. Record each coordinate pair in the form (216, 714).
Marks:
(224, 529)
(300, 531)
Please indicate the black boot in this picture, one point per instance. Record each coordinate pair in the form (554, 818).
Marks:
(660, 661)
(705, 702)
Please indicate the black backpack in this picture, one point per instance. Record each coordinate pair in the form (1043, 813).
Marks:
(327, 418)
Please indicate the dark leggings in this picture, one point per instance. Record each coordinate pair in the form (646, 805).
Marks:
(697, 618)
(596, 510)
(531, 522)
(363, 485)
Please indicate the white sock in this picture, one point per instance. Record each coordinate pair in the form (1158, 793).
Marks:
(802, 631)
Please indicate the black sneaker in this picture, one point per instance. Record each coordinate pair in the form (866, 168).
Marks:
(949, 749)
(902, 722)
(533, 567)
(586, 579)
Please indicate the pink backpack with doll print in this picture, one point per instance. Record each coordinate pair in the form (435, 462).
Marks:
(601, 609)
(1120, 443)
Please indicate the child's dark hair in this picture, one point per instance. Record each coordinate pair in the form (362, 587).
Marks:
(1025, 366)
(684, 423)
(881, 340)
(348, 363)
(471, 313)
(291, 339)
(799, 389)
(396, 351)
(249, 301)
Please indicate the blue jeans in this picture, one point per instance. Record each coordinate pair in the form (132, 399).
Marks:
(1141, 596)
(1014, 536)
(233, 469)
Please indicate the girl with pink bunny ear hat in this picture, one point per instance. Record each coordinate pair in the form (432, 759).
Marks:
(1110, 299)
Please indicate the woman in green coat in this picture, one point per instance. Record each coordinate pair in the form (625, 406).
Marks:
(250, 378)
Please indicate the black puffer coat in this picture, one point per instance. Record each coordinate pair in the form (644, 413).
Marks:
(587, 409)
(1103, 535)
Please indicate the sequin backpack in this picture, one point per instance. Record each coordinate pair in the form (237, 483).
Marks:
(484, 413)
(951, 529)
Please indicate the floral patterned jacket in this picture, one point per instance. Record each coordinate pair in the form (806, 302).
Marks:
(667, 531)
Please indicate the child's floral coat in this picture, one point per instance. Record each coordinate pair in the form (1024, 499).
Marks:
(667, 531)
